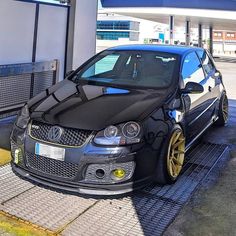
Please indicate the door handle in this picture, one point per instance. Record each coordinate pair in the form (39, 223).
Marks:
(210, 88)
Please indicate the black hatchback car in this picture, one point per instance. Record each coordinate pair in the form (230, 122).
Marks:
(123, 119)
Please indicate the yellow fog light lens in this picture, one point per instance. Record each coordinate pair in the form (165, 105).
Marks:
(17, 155)
(118, 174)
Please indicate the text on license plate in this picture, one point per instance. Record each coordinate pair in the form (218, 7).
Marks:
(55, 153)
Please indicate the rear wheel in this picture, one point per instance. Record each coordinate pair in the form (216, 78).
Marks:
(171, 159)
(223, 113)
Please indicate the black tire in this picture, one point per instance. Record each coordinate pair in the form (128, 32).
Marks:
(162, 174)
(223, 112)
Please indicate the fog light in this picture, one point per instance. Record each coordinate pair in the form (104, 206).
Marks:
(17, 155)
(100, 173)
(118, 174)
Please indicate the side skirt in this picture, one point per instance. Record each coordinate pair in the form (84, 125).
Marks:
(189, 145)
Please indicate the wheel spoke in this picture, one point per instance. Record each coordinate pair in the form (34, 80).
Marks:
(181, 141)
(225, 115)
(173, 168)
(225, 108)
(175, 160)
(178, 152)
(175, 139)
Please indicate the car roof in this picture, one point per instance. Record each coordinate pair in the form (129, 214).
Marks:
(181, 50)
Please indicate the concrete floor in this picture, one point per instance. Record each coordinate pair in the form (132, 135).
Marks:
(212, 210)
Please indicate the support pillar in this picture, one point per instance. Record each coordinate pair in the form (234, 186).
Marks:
(171, 30)
(211, 40)
(188, 36)
(82, 32)
(200, 35)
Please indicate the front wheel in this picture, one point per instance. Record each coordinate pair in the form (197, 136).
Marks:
(223, 113)
(171, 158)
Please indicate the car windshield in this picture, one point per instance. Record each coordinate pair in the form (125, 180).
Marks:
(130, 68)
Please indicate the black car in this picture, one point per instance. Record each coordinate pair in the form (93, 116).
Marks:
(123, 119)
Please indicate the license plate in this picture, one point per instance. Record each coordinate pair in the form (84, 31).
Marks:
(55, 153)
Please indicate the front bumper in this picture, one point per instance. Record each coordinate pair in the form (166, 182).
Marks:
(87, 156)
(82, 188)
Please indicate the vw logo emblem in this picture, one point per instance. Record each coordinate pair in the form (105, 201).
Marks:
(55, 133)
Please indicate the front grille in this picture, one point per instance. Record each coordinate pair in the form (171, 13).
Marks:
(52, 167)
(70, 137)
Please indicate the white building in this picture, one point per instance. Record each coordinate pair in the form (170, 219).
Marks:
(114, 29)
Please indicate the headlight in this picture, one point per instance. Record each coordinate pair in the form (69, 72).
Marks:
(23, 117)
(131, 130)
(122, 134)
(111, 131)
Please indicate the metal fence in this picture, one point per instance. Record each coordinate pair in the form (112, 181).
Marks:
(20, 82)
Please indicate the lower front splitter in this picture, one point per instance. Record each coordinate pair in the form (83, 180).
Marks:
(82, 188)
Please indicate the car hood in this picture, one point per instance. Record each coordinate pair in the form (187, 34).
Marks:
(93, 107)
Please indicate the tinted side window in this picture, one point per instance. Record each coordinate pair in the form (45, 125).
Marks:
(192, 69)
(206, 61)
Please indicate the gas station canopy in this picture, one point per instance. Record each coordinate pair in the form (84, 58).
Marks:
(219, 14)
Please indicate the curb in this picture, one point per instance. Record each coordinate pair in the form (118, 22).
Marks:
(5, 157)
(16, 226)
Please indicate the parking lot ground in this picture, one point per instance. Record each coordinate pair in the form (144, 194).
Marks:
(148, 211)
(212, 210)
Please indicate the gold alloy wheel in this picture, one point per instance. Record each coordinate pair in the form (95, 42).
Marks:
(176, 153)
(225, 108)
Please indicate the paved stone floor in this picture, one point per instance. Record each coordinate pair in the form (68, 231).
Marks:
(145, 212)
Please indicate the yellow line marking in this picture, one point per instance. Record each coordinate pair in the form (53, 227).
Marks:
(15, 226)
(5, 157)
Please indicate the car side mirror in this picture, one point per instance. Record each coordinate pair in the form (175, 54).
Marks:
(69, 73)
(193, 88)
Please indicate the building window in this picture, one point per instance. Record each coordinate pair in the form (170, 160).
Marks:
(113, 25)
(230, 35)
(111, 35)
(218, 34)
(114, 30)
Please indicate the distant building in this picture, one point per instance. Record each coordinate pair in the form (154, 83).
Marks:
(116, 29)
(224, 42)
(113, 30)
